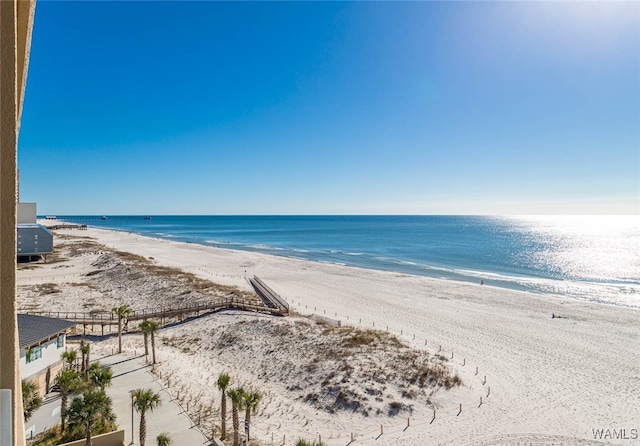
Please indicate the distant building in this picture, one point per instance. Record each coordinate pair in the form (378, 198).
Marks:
(42, 341)
(27, 213)
(32, 239)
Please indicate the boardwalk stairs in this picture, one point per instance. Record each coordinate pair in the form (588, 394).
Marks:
(270, 298)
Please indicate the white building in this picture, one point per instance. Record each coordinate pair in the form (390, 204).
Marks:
(42, 341)
(27, 213)
(32, 239)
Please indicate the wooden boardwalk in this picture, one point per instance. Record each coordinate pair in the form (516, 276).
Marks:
(165, 314)
(270, 298)
(67, 226)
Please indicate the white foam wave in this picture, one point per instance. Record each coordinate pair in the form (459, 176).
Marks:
(165, 235)
(215, 242)
(332, 263)
(263, 247)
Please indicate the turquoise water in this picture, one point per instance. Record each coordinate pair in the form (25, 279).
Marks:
(587, 257)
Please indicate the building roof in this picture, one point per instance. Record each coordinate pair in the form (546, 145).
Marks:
(33, 226)
(33, 329)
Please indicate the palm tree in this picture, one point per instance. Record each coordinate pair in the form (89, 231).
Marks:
(122, 312)
(251, 400)
(99, 376)
(144, 327)
(153, 327)
(84, 349)
(89, 407)
(31, 398)
(68, 381)
(223, 383)
(237, 403)
(69, 357)
(145, 400)
(164, 439)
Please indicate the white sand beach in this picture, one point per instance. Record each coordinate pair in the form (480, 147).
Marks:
(548, 381)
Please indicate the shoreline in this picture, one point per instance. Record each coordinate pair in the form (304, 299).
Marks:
(558, 378)
(541, 285)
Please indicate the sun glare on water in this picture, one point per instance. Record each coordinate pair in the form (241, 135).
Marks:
(599, 247)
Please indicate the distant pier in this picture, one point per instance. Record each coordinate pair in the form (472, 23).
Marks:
(67, 226)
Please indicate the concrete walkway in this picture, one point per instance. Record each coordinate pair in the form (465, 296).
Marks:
(130, 373)
(48, 415)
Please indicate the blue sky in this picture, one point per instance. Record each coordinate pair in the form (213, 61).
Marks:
(332, 108)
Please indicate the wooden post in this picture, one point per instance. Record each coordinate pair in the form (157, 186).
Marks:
(464, 361)
(485, 380)
(476, 370)
(451, 355)
(488, 390)
(408, 422)
(460, 411)
(439, 348)
(401, 332)
(381, 430)
(480, 401)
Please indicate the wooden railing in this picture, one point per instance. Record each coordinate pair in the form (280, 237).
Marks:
(271, 298)
(66, 226)
(162, 313)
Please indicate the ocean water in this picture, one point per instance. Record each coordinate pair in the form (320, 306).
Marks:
(587, 257)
